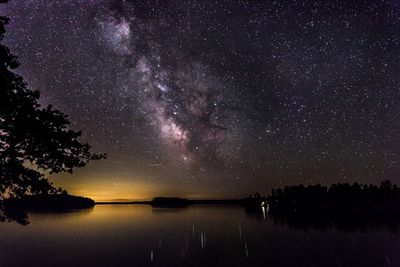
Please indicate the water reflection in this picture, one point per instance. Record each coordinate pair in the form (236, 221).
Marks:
(327, 222)
(340, 224)
(139, 235)
(64, 212)
(168, 210)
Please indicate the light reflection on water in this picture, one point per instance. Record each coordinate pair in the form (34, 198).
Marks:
(138, 235)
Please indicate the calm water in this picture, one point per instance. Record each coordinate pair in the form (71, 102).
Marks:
(138, 235)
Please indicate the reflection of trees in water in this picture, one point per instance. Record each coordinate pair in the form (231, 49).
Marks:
(346, 224)
(21, 216)
(18, 215)
(324, 222)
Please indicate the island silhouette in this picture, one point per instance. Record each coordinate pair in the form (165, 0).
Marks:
(50, 202)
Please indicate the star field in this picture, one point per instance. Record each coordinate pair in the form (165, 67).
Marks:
(218, 98)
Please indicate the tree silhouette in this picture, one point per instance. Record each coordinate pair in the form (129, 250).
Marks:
(33, 140)
(337, 200)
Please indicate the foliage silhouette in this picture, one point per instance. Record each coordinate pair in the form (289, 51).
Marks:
(339, 199)
(345, 207)
(33, 140)
(50, 202)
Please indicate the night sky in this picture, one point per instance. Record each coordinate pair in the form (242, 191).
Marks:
(206, 99)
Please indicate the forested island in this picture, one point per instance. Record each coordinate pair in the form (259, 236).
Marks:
(342, 206)
(342, 198)
(16, 209)
(50, 202)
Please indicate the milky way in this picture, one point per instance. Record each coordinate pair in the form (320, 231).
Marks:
(184, 101)
(219, 98)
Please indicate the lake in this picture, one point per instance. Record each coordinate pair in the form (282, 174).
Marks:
(139, 235)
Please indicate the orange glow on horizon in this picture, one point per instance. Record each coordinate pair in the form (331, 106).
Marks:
(108, 190)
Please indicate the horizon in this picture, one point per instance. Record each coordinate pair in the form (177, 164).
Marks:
(96, 198)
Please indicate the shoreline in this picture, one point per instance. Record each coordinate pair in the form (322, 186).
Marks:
(188, 202)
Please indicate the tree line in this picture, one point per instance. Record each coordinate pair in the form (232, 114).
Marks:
(341, 198)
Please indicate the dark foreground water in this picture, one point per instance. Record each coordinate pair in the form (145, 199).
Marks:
(138, 235)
